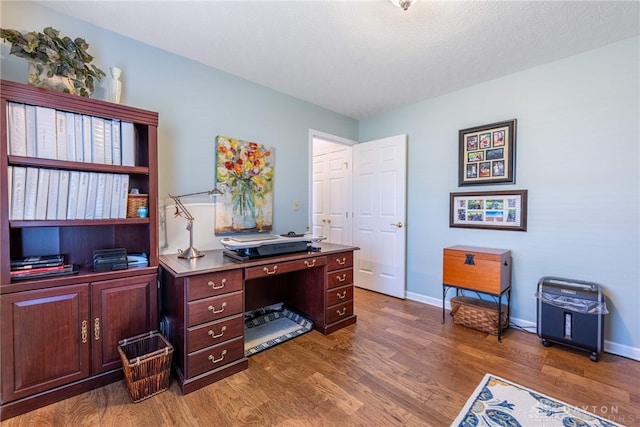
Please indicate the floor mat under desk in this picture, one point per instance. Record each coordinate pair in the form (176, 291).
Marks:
(262, 331)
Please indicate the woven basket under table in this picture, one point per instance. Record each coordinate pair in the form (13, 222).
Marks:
(478, 314)
(146, 361)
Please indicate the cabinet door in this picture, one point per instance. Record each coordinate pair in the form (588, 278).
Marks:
(120, 308)
(45, 339)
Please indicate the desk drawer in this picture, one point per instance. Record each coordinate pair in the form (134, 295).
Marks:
(212, 284)
(339, 295)
(284, 267)
(213, 333)
(339, 278)
(340, 311)
(339, 261)
(214, 357)
(214, 308)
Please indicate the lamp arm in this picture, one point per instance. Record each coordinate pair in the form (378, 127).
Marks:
(190, 252)
(188, 216)
(180, 206)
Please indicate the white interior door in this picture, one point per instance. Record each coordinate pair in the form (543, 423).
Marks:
(331, 192)
(379, 223)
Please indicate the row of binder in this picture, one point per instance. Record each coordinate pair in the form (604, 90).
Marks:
(42, 132)
(51, 194)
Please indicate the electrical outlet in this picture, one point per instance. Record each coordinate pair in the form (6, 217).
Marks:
(296, 205)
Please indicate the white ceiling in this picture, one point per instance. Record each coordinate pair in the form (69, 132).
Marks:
(362, 58)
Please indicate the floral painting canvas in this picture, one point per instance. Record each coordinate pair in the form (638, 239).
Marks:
(244, 172)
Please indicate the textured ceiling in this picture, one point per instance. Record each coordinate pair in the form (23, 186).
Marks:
(362, 58)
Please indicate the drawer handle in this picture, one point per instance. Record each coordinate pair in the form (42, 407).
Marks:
(220, 359)
(214, 311)
(309, 264)
(344, 260)
(214, 335)
(213, 285)
(341, 295)
(342, 278)
(266, 270)
(342, 312)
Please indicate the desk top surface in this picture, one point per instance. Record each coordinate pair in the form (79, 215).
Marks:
(214, 260)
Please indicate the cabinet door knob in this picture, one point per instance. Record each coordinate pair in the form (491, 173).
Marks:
(214, 335)
(214, 311)
(213, 285)
(220, 359)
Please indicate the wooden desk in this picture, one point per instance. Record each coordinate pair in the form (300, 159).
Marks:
(203, 303)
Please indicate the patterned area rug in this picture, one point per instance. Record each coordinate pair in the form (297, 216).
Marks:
(271, 326)
(498, 402)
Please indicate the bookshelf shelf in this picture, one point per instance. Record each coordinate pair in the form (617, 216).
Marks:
(68, 165)
(78, 222)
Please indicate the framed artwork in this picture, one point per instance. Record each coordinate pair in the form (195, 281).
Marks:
(487, 154)
(244, 172)
(498, 210)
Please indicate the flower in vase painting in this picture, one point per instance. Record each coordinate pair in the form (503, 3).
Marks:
(246, 169)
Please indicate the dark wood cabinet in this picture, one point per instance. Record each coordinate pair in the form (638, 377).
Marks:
(60, 334)
(120, 308)
(45, 339)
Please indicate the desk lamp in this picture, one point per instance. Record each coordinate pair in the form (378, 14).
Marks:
(181, 210)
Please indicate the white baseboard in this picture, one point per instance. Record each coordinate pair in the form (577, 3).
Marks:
(528, 326)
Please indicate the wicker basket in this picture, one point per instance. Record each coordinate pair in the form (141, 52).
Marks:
(478, 314)
(134, 201)
(146, 361)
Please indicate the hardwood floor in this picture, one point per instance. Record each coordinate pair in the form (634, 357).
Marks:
(397, 366)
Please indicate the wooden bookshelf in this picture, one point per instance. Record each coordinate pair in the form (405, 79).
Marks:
(60, 334)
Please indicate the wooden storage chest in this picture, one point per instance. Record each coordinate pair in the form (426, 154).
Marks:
(480, 269)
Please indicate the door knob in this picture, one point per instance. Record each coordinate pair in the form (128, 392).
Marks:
(397, 224)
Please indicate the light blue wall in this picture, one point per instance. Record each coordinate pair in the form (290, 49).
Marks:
(577, 155)
(195, 103)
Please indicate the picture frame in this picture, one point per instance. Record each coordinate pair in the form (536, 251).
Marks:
(487, 154)
(497, 210)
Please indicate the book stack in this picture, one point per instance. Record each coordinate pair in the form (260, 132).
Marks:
(39, 267)
(42, 132)
(50, 194)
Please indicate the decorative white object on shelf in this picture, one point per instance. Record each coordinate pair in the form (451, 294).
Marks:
(115, 85)
(404, 4)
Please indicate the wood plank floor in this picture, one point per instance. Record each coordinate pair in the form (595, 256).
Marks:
(397, 366)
